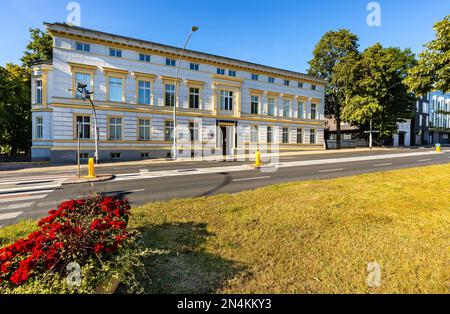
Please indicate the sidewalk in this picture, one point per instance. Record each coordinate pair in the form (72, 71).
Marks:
(62, 168)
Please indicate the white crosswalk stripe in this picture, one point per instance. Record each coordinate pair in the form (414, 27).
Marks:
(20, 195)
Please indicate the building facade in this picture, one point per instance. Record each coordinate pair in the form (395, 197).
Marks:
(218, 100)
(431, 124)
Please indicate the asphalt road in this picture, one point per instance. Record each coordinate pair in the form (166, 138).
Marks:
(32, 195)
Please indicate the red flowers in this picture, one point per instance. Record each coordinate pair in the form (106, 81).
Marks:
(77, 230)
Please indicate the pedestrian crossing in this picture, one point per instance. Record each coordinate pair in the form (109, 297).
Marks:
(19, 195)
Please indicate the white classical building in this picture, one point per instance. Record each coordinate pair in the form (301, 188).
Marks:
(221, 100)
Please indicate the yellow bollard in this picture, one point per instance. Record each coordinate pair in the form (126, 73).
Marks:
(91, 171)
(438, 148)
(257, 159)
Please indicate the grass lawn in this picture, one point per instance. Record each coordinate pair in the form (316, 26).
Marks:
(306, 237)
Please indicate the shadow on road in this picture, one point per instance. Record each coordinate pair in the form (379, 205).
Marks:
(227, 179)
(179, 263)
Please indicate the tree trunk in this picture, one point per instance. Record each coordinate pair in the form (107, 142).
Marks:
(338, 133)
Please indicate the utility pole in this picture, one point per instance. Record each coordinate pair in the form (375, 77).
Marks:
(370, 134)
(78, 150)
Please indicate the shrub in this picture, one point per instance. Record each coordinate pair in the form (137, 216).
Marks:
(90, 231)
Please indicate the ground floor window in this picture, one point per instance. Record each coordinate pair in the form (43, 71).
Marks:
(269, 134)
(144, 129)
(83, 127)
(285, 135)
(312, 136)
(168, 131)
(115, 155)
(39, 127)
(193, 131)
(254, 134)
(299, 136)
(115, 128)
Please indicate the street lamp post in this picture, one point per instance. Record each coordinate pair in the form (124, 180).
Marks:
(174, 133)
(85, 94)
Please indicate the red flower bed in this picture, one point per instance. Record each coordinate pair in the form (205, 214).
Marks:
(77, 230)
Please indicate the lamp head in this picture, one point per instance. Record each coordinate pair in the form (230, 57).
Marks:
(194, 29)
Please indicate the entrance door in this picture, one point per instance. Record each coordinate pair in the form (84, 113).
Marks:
(224, 132)
(401, 138)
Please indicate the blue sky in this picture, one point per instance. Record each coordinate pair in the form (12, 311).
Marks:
(279, 33)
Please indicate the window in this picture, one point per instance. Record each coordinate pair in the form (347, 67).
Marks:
(115, 155)
(299, 136)
(194, 66)
(254, 134)
(144, 92)
(194, 97)
(144, 129)
(193, 131)
(82, 47)
(170, 62)
(312, 136)
(144, 57)
(115, 89)
(115, 53)
(269, 134)
(313, 111)
(83, 127)
(285, 135)
(347, 136)
(82, 78)
(300, 85)
(115, 129)
(39, 127)
(300, 112)
(255, 77)
(169, 95)
(145, 155)
(168, 131)
(231, 73)
(313, 87)
(271, 79)
(39, 92)
(220, 71)
(271, 105)
(420, 120)
(84, 155)
(286, 82)
(254, 104)
(286, 105)
(226, 100)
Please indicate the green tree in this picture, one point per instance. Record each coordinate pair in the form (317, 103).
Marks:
(39, 48)
(374, 89)
(15, 113)
(332, 48)
(432, 71)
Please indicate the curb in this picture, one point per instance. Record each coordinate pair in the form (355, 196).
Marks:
(99, 178)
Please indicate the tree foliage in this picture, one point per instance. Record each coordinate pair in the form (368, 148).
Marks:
(432, 71)
(329, 52)
(374, 89)
(40, 48)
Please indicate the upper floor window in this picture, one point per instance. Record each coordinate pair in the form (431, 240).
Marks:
(286, 82)
(271, 105)
(300, 85)
(39, 92)
(115, 128)
(254, 134)
(271, 79)
(82, 78)
(254, 104)
(194, 97)
(169, 95)
(82, 47)
(255, 77)
(144, 57)
(313, 111)
(115, 53)
(226, 100)
(194, 66)
(39, 127)
(313, 87)
(144, 92)
(83, 127)
(300, 110)
(115, 89)
(220, 71)
(170, 62)
(231, 73)
(286, 105)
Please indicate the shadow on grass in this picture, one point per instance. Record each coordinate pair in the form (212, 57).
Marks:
(179, 263)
